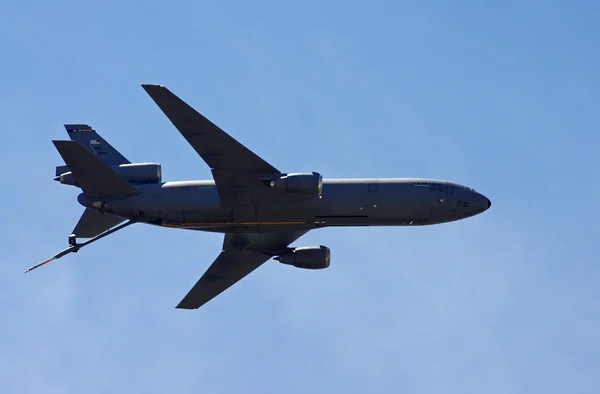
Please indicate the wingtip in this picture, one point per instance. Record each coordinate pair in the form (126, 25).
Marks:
(59, 143)
(182, 305)
(151, 85)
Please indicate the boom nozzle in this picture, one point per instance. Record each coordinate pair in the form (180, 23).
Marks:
(74, 248)
(70, 249)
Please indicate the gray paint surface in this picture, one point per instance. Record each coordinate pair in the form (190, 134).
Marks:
(343, 202)
(259, 222)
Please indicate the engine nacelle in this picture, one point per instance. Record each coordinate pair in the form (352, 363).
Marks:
(307, 183)
(137, 173)
(312, 257)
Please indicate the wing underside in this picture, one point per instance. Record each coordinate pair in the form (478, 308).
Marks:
(241, 254)
(236, 169)
(241, 178)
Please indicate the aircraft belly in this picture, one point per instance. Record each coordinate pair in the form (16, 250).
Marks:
(239, 219)
(340, 205)
(274, 218)
(345, 206)
(383, 205)
(244, 219)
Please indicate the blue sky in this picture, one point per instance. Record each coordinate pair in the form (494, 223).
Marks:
(499, 96)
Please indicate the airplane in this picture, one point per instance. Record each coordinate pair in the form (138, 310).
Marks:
(260, 210)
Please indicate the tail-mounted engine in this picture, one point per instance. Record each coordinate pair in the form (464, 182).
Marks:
(312, 257)
(302, 183)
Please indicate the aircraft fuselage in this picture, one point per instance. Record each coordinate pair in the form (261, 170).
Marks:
(343, 202)
(261, 210)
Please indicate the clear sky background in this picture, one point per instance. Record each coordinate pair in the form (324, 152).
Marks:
(500, 96)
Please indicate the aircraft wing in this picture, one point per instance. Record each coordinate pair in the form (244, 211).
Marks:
(235, 168)
(241, 254)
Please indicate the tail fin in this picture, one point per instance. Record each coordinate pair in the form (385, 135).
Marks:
(89, 138)
(93, 142)
(95, 177)
(93, 223)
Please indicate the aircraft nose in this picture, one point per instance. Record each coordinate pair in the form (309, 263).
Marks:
(483, 203)
(486, 202)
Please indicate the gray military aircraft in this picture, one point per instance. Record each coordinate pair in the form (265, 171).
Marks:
(259, 209)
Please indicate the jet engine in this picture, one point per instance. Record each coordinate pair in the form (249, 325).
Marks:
(137, 173)
(312, 257)
(301, 183)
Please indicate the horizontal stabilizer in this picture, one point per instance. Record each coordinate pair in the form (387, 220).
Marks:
(95, 178)
(93, 223)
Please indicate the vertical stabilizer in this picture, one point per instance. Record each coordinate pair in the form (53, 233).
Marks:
(91, 140)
